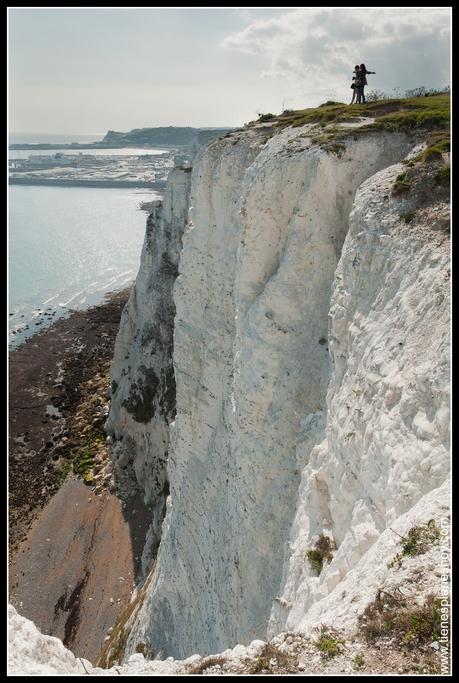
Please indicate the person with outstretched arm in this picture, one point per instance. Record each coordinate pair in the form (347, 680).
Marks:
(363, 82)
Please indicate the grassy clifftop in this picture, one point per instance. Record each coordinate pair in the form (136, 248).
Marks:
(428, 114)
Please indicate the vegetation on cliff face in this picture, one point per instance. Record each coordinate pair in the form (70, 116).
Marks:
(417, 541)
(321, 552)
(414, 625)
(113, 650)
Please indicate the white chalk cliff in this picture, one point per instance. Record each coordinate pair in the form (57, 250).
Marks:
(292, 381)
(311, 366)
(143, 384)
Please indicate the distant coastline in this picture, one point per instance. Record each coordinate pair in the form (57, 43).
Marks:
(67, 182)
(81, 145)
(162, 137)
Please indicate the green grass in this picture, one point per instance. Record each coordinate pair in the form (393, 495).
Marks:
(321, 551)
(328, 643)
(408, 216)
(359, 660)
(402, 183)
(417, 541)
(404, 113)
(443, 175)
(64, 468)
(315, 560)
(265, 117)
(429, 116)
(411, 624)
(83, 456)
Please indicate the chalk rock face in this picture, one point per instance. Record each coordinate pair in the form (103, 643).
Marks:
(386, 440)
(31, 653)
(280, 383)
(143, 383)
(252, 358)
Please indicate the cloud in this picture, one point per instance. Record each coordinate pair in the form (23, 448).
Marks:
(315, 49)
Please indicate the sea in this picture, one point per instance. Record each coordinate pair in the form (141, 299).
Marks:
(68, 247)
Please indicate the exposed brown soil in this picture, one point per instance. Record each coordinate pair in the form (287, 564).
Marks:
(74, 549)
(75, 572)
(49, 369)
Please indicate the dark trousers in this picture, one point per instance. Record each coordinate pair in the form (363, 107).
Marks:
(360, 94)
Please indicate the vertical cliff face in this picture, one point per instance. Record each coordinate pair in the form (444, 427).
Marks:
(142, 375)
(253, 358)
(281, 385)
(386, 440)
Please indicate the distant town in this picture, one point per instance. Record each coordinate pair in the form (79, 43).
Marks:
(92, 170)
(155, 151)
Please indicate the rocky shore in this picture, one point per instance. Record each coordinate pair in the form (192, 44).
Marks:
(46, 377)
(67, 527)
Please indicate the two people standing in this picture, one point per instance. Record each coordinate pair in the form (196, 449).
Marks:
(360, 81)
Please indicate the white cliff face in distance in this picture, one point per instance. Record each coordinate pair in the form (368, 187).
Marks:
(311, 367)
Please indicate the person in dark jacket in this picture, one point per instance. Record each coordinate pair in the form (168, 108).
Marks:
(358, 80)
(363, 82)
(354, 85)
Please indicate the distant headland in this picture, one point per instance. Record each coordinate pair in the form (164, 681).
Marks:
(161, 137)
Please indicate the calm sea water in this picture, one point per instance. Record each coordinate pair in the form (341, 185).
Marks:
(69, 247)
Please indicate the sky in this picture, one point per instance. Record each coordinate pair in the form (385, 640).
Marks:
(88, 70)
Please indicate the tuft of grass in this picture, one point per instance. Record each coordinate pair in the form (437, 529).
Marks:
(412, 624)
(417, 541)
(321, 551)
(359, 660)
(328, 643)
(145, 650)
(432, 153)
(64, 468)
(265, 117)
(402, 183)
(315, 560)
(83, 457)
(408, 216)
(443, 175)
(428, 664)
(284, 661)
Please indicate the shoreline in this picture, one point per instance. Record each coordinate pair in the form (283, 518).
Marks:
(42, 400)
(75, 541)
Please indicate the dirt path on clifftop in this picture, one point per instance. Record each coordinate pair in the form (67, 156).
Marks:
(74, 549)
